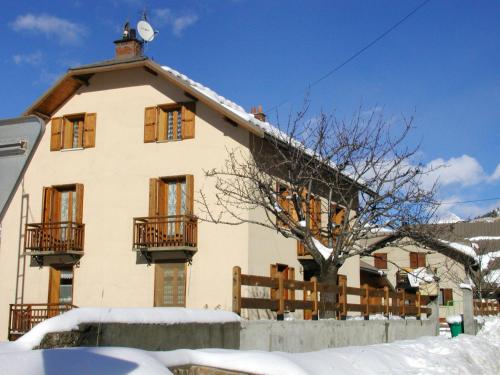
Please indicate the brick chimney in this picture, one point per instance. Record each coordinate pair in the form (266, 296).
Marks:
(258, 113)
(128, 46)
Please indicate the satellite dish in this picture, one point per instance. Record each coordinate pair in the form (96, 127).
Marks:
(145, 31)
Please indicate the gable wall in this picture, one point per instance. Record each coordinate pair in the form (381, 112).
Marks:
(116, 176)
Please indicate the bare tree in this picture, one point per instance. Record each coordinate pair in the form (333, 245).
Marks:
(325, 183)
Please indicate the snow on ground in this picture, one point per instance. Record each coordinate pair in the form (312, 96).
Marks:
(463, 355)
(158, 315)
(81, 361)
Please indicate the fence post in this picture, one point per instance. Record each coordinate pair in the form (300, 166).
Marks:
(386, 301)
(468, 318)
(417, 305)
(315, 298)
(281, 294)
(343, 315)
(237, 290)
(367, 302)
(402, 302)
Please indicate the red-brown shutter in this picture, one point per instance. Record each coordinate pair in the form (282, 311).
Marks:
(413, 260)
(188, 120)
(150, 124)
(89, 130)
(447, 295)
(381, 260)
(421, 259)
(56, 134)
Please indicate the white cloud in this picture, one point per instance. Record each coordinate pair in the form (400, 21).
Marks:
(34, 58)
(496, 174)
(463, 170)
(66, 32)
(165, 17)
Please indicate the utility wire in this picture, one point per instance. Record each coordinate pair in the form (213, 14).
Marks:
(359, 52)
(472, 201)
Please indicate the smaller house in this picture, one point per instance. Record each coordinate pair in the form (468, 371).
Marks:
(430, 266)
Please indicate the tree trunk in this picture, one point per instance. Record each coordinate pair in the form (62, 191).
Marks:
(328, 300)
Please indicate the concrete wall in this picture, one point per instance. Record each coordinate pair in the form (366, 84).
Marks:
(153, 337)
(305, 336)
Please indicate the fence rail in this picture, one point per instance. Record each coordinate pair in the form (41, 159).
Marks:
(23, 317)
(486, 307)
(372, 301)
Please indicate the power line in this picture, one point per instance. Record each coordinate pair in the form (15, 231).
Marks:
(359, 52)
(472, 201)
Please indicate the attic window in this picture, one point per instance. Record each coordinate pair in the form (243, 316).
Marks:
(73, 132)
(169, 122)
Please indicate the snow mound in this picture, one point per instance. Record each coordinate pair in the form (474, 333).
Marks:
(420, 275)
(157, 315)
(453, 319)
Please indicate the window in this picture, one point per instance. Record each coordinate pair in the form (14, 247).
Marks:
(170, 284)
(169, 196)
(380, 260)
(73, 131)
(417, 260)
(445, 297)
(63, 204)
(286, 203)
(171, 122)
(61, 285)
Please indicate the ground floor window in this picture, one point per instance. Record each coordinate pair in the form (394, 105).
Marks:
(61, 282)
(170, 284)
(445, 297)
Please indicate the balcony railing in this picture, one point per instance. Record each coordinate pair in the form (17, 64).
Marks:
(59, 237)
(166, 232)
(23, 317)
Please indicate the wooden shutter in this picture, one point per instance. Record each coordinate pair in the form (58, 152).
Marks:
(315, 212)
(67, 134)
(291, 276)
(273, 273)
(150, 124)
(56, 134)
(189, 194)
(162, 125)
(381, 260)
(89, 130)
(188, 119)
(413, 260)
(153, 196)
(158, 285)
(54, 284)
(79, 203)
(421, 259)
(48, 196)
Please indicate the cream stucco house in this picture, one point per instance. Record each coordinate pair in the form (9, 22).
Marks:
(106, 212)
(430, 266)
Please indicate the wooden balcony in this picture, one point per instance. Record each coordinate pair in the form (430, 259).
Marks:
(166, 237)
(23, 317)
(59, 242)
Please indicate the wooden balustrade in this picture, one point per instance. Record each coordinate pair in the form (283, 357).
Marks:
(372, 301)
(23, 317)
(59, 237)
(166, 232)
(486, 307)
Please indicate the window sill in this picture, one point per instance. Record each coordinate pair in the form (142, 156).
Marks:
(71, 149)
(169, 140)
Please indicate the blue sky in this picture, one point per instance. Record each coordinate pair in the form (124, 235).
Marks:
(441, 65)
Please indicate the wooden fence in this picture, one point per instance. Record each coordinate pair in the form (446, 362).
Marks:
(486, 307)
(372, 301)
